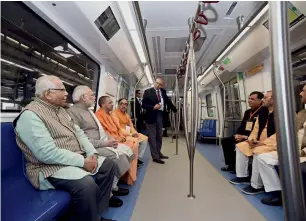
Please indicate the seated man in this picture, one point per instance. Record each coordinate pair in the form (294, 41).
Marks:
(112, 130)
(262, 139)
(59, 155)
(228, 143)
(123, 120)
(81, 114)
(267, 175)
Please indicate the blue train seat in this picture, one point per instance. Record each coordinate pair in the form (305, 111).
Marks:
(20, 201)
(208, 128)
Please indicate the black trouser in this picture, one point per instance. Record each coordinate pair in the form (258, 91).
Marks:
(140, 126)
(228, 146)
(89, 197)
(303, 169)
(155, 134)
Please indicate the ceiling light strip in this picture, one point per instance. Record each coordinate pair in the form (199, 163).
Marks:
(128, 17)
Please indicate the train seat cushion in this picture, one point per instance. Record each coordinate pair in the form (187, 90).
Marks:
(208, 128)
(20, 200)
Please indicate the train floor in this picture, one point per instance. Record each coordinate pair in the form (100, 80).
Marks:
(160, 192)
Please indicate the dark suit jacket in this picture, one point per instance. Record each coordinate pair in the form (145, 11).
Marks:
(262, 113)
(138, 109)
(150, 100)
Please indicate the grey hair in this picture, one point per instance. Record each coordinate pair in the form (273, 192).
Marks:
(44, 83)
(78, 92)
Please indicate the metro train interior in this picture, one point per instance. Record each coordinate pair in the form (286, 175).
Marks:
(118, 47)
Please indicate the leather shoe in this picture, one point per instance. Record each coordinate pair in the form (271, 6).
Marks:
(159, 161)
(103, 219)
(163, 157)
(228, 168)
(115, 202)
(121, 192)
(272, 201)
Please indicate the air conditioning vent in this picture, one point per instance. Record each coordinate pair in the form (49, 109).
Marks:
(107, 24)
(170, 71)
(179, 44)
(230, 10)
(157, 52)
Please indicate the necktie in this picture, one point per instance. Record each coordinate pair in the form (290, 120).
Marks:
(158, 95)
(141, 110)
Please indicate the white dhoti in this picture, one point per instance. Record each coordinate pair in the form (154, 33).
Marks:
(242, 164)
(142, 148)
(268, 174)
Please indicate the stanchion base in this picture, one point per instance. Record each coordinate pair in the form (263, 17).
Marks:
(191, 196)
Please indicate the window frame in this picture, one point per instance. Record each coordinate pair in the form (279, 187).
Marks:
(69, 40)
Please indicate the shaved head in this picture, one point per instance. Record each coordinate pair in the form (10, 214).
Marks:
(102, 100)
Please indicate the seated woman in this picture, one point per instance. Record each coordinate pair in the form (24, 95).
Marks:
(124, 122)
(112, 130)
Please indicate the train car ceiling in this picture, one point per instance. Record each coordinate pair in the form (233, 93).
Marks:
(249, 51)
(105, 37)
(167, 31)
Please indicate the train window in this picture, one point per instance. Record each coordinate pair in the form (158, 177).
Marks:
(232, 100)
(30, 48)
(209, 104)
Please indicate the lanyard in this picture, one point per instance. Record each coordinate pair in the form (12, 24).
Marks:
(252, 115)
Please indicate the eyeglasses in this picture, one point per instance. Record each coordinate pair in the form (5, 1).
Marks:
(124, 104)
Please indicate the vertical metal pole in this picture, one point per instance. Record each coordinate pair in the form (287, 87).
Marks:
(135, 87)
(172, 115)
(191, 138)
(185, 108)
(219, 121)
(290, 174)
(194, 114)
(177, 115)
(223, 86)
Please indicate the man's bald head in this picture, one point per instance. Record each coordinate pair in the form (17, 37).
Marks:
(103, 100)
(159, 83)
(106, 103)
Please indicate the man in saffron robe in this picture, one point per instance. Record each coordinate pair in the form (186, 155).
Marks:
(124, 122)
(113, 130)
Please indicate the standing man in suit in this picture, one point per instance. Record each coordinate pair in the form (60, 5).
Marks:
(139, 115)
(154, 102)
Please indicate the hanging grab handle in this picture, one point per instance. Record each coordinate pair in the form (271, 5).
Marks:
(210, 1)
(196, 34)
(203, 21)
